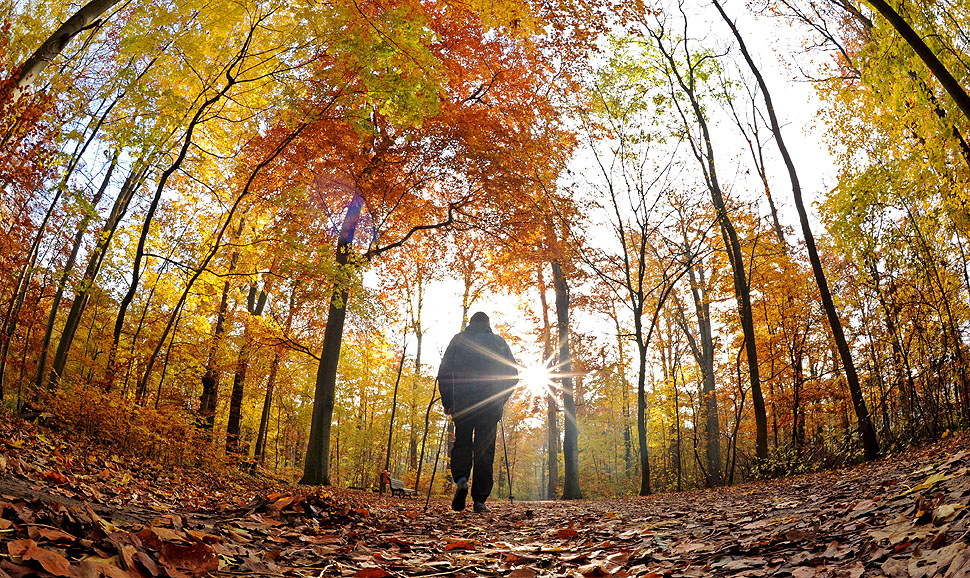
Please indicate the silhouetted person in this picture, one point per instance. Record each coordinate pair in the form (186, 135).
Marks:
(477, 376)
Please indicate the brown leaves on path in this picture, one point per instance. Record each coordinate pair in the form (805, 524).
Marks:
(893, 518)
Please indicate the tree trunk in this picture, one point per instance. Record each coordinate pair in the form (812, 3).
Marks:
(733, 247)
(552, 421)
(65, 276)
(570, 446)
(712, 428)
(317, 466)
(642, 420)
(259, 452)
(869, 440)
(390, 426)
(949, 83)
(255, 307)
(149, 216)
(210, 379)
(127, 192)
(85, 18)
(413, 418)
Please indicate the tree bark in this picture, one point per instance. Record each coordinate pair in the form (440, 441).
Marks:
(704, 356)
(83, 19)
(259, 452)
(316, 470)
(210, 379)
(869, 440)
(570, 445)
(390, 426)
(255, 307)
(552, 420)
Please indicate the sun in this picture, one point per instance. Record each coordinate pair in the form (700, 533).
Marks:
(536, 377)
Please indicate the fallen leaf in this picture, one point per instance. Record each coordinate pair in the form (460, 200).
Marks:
(52, 534)
(17, 548)
(593, 570)
(930, 481)
(197, 559)
(567, 533)
(55, 477)
(460, 545)
(100, 567)
(50, 560)
(147, 563)
(687, 547)
(372, 572)
(946, 513)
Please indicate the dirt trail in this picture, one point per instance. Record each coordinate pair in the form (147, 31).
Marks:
(94, 514)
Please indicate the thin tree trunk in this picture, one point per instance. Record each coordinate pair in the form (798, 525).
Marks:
(733, 247)
(419, 335)
(260, 450)
(869, 440)
(210, 379)
(552, 421)
(390, 426)
(168, 356)
(570, 446)
(66, 274)
(134, 180)
(255, 307)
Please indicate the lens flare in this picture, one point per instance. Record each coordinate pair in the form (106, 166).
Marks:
(537, 378)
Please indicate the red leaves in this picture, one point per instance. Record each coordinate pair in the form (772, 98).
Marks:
(50, 534)
(460, 545)
(55, 477)
(567, 533)
(371, 572)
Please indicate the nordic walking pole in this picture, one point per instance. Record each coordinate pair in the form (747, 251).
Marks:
(508, 470)
(441, 440)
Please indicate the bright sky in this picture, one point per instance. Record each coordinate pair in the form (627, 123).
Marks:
(772, 43)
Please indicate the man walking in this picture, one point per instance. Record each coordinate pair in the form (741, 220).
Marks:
(476, 377)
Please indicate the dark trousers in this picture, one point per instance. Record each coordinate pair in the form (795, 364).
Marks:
(474, 442)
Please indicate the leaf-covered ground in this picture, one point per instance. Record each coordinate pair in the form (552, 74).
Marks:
(67, 510)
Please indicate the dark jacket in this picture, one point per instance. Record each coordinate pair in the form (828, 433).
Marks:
(477, 374)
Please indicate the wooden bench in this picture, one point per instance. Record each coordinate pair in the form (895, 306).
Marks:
(397, 487)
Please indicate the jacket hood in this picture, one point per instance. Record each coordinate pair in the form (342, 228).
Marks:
(479, 326)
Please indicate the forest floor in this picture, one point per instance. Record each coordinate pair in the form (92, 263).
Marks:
(68, 510)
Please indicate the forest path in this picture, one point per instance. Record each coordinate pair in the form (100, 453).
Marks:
(66, 511)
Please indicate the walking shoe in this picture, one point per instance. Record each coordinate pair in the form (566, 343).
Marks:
(480, 507)
(458, 504)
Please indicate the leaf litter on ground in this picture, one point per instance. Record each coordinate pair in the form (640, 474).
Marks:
(103, 515)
